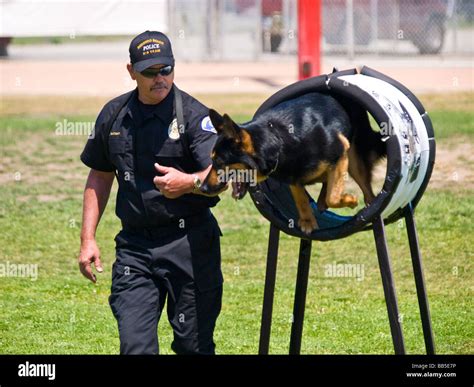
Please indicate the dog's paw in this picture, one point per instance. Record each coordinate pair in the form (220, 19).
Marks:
(350, 200)
(307, 225)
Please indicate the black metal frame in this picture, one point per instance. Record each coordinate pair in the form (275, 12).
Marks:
(387, 281)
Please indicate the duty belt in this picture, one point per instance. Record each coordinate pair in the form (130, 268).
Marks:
(170, 228)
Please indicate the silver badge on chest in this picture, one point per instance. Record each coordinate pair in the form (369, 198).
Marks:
(173, 130)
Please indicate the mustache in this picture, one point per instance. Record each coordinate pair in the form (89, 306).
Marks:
(159, 85)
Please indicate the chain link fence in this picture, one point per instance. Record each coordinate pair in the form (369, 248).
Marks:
(402, 27)
(250, 29)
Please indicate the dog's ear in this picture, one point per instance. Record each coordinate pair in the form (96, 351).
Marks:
(224, 125)
(217, 120)
(231, 129)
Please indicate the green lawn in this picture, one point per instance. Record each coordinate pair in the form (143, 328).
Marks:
(41, 182)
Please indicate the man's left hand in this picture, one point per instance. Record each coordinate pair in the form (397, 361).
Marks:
(173, 183)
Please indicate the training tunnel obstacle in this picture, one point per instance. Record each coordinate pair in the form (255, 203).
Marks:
(409, 138)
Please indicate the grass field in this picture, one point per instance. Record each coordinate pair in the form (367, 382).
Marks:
(60, 312)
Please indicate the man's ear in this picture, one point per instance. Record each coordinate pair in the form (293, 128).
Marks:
(217, 120)
(131, 71)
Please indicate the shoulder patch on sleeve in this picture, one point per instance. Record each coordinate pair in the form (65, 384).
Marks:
(207, 126)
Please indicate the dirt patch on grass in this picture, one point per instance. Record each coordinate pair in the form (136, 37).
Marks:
(48, 105)
(43, 198)
(34, 161)
(461, 102)
(454, 165)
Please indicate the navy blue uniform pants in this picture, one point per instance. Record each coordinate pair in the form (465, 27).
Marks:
(180, 264)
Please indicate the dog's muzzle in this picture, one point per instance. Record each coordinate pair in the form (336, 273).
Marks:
(211, 184)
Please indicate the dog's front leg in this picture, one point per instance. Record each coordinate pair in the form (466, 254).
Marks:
(307, 221)
(322, 205)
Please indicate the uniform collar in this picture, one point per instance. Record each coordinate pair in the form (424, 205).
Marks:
(163, 111)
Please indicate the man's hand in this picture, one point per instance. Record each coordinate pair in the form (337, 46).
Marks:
(173, 183)
(89, 253)
(96, 195)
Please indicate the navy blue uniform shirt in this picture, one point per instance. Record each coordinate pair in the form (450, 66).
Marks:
(142, 135)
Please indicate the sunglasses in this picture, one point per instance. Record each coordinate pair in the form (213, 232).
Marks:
(152, 73)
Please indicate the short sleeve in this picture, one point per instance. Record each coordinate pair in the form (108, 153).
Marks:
(94, 154)
(201, 136)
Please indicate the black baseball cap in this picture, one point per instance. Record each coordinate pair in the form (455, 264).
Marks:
(150, 48)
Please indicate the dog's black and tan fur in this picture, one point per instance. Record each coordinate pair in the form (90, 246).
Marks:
(309, 139)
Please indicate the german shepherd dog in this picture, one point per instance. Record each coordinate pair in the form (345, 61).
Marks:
(309, 139)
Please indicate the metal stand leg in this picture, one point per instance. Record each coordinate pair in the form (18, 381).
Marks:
(388, 286)
(419, 281)
(270, 277)
(300, 296)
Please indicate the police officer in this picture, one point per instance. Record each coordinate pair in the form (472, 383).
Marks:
(156, 141)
